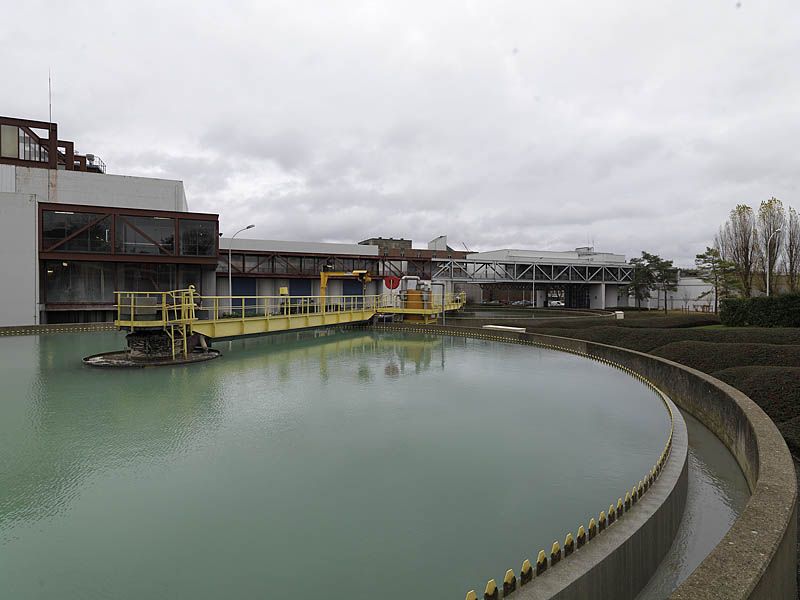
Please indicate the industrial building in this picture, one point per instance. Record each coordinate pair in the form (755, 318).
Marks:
(72, 235)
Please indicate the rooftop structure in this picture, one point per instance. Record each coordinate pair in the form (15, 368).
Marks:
(27, 143)
(582, 255)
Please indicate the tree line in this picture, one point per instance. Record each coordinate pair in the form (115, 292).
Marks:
(751, 248)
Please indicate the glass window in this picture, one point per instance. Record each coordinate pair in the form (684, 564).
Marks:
(145, 235)
(57, 226)
(148, 277)
(250, 263)
(190, 275)
(8, 141)
(29, 148)
(198, 238)
(266, 264)
(294, 264)
(74, 282)
(280, 265)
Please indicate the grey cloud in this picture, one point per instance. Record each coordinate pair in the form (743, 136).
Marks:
(637, 127)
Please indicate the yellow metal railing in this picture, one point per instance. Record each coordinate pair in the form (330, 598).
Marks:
(186, 307)
(217, 308)
(155, 309)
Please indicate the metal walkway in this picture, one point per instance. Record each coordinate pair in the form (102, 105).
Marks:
(182, 313)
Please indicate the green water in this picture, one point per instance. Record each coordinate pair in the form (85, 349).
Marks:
(345, 465)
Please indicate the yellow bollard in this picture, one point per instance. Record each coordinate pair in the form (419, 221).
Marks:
(627, 501)
(569, 545)
(601, 522)
(612, 515)
(592, 528)
(555, 553)
(526, 573)
(581, 537)
(620, 507)
(633, 495)
(541, 563)
(509, 583)
(491, 592)
(471, 595)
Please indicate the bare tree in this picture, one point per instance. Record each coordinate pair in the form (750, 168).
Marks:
(737, 240)
(792, 250)
(770, 229)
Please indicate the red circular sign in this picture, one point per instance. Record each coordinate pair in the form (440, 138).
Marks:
(392, 282)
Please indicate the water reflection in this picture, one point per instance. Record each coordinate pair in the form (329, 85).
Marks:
(331, 453)
(82, 421)
(89, 420)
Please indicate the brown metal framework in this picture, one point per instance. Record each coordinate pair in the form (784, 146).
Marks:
(117, 214)
(296, 265)
(60, 153)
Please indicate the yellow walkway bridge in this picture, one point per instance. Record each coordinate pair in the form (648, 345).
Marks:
(182, 313)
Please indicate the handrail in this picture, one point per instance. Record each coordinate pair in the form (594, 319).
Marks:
(186, 306)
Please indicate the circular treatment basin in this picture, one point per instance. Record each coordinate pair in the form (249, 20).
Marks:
(349, 464)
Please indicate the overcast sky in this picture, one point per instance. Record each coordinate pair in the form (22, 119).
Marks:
(630, 125)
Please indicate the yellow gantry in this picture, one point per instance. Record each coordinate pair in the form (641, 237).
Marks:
(184, 312)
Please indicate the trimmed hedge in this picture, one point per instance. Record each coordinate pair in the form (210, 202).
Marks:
(790, 429)
(775, 389)
(710, 357)
(647, 339)
(762, 311)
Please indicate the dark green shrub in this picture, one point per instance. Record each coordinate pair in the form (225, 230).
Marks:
(790, 430)
(774, 389)
(762, 311)
(710, 357)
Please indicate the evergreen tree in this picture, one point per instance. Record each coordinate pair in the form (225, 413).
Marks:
(717, 272)
(664, 275)
(641, 281)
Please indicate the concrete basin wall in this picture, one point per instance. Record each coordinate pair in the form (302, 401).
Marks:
(757, 558)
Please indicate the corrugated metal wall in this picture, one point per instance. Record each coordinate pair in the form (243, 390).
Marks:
(8, 177)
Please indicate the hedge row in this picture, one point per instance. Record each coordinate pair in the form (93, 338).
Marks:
(710, 357)
(762, 311)
(775, 389)
(648, 339)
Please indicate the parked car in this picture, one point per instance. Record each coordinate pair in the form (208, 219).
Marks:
(555, 303)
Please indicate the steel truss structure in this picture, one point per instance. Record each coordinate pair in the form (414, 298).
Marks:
(485, 271)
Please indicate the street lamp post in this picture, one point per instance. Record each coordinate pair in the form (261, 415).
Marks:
(767, 265)
(230, 279)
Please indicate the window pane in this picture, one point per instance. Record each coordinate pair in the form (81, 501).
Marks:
(59, 225)
(79, 282)
(198, 238)
(96, 238)
(190, 275)
(148, 278)
(8, 141)
(250, 263)
(156, 229)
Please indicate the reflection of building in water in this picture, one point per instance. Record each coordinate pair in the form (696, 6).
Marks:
(396, 352)
(421, 350)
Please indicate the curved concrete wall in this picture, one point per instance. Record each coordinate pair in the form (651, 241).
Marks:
(757, 558)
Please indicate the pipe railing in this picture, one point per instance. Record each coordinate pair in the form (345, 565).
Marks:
(160, 309)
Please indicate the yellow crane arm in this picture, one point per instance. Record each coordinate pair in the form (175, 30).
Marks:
(360, 274)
